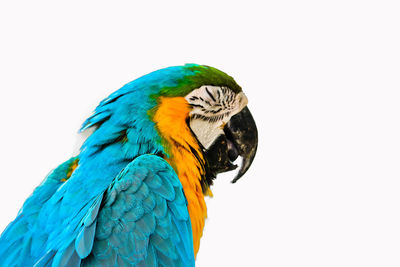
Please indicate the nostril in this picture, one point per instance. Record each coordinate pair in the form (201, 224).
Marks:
(233, 153)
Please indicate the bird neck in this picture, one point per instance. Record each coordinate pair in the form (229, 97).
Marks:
(185, 157)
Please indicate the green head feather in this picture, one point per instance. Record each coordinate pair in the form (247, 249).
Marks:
(194, 76)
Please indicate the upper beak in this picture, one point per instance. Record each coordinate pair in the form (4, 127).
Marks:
(241, 130)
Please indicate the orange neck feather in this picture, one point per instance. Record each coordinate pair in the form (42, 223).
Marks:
(170, 118)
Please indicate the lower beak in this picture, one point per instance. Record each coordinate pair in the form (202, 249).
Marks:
(241, 130)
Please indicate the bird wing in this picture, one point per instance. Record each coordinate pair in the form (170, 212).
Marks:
(141, 219)
(144, 219)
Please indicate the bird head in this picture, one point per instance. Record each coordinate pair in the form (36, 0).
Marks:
(214, 108)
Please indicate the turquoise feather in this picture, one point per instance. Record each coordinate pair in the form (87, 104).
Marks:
(143, 242)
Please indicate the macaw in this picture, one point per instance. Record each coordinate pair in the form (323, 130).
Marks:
(134, 194)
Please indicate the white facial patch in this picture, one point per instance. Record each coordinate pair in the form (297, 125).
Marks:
(213, 107)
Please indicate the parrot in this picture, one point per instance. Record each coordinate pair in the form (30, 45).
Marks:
(134, 193)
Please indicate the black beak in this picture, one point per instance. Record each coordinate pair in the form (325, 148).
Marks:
(242, 136)
(240, 139)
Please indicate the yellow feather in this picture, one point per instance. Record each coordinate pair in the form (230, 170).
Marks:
(170, 118)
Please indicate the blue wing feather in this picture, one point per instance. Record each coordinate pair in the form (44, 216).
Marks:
(140, 224)
(141, 219)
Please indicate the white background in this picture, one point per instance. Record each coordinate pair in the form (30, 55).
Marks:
(322, 78)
